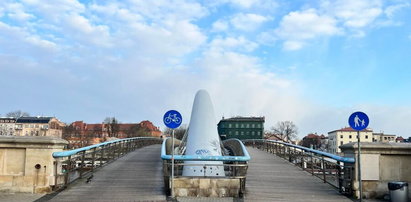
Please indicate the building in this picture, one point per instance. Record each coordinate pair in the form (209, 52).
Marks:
(314, 141)
(381, 137)
(346, 135)
(80, 134)
(241, 128)
(7, 126)
(31, 126)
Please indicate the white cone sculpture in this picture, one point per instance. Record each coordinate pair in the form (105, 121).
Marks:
(202, 138)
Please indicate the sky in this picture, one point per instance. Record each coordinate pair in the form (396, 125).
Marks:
(310, 62)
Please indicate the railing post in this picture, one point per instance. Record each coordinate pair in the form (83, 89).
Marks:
(302, 160)
(93, 159)
(312, 163)
(324, 167)
(118, 149)
(66, 177)
(102, 155)
(339, 176)
(289, 154)
(83, 156)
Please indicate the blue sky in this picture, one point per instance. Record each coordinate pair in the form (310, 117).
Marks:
(311, 62)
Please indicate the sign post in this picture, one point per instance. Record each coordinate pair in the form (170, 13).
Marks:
(359, 121)
(172, 119)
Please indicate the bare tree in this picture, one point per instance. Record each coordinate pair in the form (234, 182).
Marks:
(17, 114)
(137, 131)
(112, 127)
(178, 132)
(286, 130)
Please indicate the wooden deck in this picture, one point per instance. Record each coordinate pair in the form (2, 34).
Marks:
(134, 177)
(271, 178)
(138, 177)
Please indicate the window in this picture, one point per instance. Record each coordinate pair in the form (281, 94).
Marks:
(341, 136)
(385, 138)
(252, 133)
(236, 125)
(350, 136)
(236, 132)
(229, 125)
(242, 133)
(252, 125)
(242, 125)
(342, 142)
(247, 125)
(366, 137)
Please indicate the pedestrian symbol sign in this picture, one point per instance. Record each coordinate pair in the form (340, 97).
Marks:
(358, 121)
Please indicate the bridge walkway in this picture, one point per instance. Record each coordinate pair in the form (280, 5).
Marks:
(271, 178)
(137, 176)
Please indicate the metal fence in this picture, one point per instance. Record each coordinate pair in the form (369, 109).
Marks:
(80, 163)
(332, 169)
(235, 167)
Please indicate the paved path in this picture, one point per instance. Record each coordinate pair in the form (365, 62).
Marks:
(271, 178)
(136, 176)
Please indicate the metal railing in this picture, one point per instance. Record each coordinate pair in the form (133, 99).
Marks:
(81, 162)
(332, 169)
(235, 167)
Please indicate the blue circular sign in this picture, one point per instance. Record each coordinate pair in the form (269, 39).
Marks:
(358, 121)
(172, 119)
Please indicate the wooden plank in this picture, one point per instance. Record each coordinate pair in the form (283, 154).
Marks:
(136, 176)
(271, 178)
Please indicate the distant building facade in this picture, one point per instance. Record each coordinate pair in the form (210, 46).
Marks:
(80, 134)
(381, 137)
(32, 126)
(7, 126)
(241, 128)
(346, 135)
(314, 141)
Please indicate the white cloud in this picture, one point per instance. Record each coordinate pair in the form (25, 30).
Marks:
(230, 43)
(391, 10)
(18, 40)
(219, 26)
(247, 22)
(297, 27)
(354, 13)
(16, 11)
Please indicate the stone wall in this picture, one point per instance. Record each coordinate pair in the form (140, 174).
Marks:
(26, 163)
(380, 163)
(206, 187)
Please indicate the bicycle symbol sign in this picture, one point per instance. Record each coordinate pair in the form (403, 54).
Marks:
(172, 119)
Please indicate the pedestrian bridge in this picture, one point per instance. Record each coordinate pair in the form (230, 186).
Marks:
(132, 170)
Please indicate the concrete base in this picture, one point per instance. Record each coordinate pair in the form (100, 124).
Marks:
(27, 164)
(206, 187)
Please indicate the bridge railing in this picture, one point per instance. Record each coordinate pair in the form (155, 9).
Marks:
(332, 169)
(235, 167)
(81, 162)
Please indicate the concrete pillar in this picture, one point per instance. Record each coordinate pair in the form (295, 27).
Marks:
(27, 164)
(380, 164)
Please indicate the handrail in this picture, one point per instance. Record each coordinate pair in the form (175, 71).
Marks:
(75, 151)
(332, 156)
(244, 158)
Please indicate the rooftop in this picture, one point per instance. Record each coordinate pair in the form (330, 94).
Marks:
(242, 118)
(349, 129)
